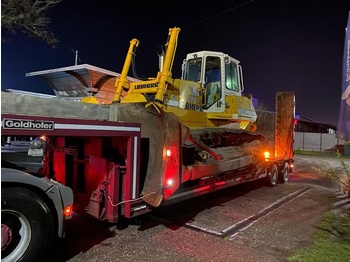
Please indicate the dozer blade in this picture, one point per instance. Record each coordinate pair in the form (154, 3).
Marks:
(162, 130)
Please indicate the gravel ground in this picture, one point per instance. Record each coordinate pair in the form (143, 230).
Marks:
(192, 231)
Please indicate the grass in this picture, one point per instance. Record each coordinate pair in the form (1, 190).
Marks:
(330, 243)
(318, 153)
(314, 153)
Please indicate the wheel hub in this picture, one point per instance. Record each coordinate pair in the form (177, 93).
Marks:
(6, 236)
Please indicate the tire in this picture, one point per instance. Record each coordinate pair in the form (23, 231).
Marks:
(283, 175)
(272, 177)
(26, 225)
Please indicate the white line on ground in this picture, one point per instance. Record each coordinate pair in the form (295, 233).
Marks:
(275, 203)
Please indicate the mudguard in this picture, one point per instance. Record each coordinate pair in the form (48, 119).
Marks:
(60, 195)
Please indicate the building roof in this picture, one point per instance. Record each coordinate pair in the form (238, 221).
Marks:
(310, 125)
(78, 81)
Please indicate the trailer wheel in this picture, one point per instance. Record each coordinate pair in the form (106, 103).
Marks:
(283, 174)
(272, 177)
(26, 225)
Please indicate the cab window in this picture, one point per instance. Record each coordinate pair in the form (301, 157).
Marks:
(232, 82)
(193, 69)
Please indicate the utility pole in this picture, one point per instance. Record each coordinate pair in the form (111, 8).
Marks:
(76, 57)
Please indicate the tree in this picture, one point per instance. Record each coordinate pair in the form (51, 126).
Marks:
(28, 17)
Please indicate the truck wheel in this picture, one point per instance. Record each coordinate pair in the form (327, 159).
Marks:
(283, 174)
(272, 177)
(26, 225)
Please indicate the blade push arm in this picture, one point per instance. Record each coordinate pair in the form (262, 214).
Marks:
(122, 80)
(165, 76)
(155, 87)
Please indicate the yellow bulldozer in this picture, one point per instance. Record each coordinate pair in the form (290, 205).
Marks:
(209, 93)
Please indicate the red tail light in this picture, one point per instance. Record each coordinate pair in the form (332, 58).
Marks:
(68, 211)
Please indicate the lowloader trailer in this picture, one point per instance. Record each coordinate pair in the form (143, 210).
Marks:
(105, 161)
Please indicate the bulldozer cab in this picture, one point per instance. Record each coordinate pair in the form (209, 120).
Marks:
(220, 75)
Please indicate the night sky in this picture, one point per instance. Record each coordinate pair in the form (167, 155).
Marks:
(283, 45)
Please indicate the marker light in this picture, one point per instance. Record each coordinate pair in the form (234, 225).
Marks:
(220, 183)
(68, 211)
(170, 182)
(267, 154)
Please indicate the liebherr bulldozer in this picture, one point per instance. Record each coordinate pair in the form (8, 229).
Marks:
(218, 122)
(207, 99)
(209, 93)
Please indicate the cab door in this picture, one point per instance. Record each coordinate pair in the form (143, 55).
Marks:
(213, 82)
